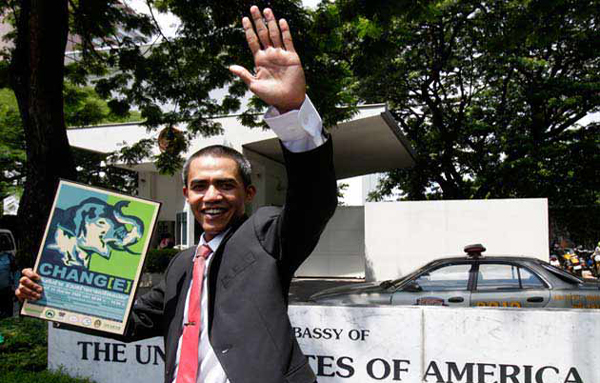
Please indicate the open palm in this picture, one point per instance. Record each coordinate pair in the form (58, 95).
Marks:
(279, 78)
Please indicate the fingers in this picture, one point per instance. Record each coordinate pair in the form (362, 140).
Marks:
(287, 35)
(261, 28)
(30, 274)
(273, 28)
(28, 288)
(242, 73)
(250, 36)
(268, 34)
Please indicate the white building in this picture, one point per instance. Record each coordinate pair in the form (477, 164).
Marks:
(369, 143)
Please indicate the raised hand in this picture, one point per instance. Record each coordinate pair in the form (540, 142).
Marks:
(279, 79)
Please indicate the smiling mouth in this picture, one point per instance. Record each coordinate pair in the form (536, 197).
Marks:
(213, 212)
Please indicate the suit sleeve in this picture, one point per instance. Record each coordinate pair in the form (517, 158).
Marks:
(311, 200)
(146, 319)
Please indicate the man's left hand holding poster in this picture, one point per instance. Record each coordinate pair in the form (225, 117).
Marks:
(91, 257)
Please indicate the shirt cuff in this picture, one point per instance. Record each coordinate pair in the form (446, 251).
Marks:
(299, 130)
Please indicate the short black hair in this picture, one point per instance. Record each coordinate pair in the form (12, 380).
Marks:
(243, 165)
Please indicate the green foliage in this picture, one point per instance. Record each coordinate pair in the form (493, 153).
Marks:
(25, 345)
(131, 64)
(83, 107)
(12, 140)
(183, 70)
(42, 376)
(157, 260)
(489, 94)
(23, 355)
(341, 188)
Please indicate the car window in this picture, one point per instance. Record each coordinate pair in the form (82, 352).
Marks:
(497, 277)
(529, 280)
(453, 277)
(506, 277)
(561, 274)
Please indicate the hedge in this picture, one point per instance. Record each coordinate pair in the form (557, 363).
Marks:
(157, 260)
(24, 353)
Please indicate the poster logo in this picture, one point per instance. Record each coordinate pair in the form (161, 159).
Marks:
(94, 226)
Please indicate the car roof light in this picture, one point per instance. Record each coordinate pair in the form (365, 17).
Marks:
(475, 250)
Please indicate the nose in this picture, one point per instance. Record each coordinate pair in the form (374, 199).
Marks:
(212, 194)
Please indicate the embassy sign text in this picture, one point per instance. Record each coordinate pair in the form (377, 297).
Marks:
(387, 344)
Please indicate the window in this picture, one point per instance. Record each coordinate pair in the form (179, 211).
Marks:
(506, 277)
(181, 229)
(529, 280)
(453, 277)
(562, 275)
(497, 277)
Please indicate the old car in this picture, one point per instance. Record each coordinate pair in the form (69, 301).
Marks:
(474, 280)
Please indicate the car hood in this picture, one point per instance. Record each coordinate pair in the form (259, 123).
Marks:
(355, 288)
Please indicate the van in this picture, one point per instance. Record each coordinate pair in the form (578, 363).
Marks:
(8, 266)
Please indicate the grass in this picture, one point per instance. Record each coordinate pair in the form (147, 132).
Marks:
(24, 353)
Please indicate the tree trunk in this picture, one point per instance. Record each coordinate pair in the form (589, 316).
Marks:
(37, 75)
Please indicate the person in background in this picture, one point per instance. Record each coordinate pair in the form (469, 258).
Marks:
(166, 241)
(8, 272)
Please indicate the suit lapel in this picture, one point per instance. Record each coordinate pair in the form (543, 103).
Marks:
(215, 267)
(184, 280)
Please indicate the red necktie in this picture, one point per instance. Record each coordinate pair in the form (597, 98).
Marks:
(188, 359)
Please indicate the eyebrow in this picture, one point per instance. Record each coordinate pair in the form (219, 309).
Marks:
(218, 181)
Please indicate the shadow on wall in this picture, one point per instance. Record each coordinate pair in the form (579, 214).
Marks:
(369, 268)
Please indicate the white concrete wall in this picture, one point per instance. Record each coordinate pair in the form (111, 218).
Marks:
(402, 236)
(388, 344)
(270, 179)
(164, 188)
(341, 250)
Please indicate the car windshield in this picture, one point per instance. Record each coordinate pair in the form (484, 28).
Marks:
(399, 281)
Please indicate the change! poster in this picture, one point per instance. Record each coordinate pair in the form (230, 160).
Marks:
(91, 257)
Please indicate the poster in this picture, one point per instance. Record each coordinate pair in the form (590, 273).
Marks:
(91, 257)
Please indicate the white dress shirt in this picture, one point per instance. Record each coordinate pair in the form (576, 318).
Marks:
(299, 130)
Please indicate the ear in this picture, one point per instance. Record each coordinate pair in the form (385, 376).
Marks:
(250, 193)
(185, 193)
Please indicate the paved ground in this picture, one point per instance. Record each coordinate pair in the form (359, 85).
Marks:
(302, 288)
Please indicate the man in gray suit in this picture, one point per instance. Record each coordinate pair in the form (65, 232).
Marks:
(244, 334)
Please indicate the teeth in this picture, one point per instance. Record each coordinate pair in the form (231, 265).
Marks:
(213, 211)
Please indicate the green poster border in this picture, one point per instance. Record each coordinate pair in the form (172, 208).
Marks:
(89, 320)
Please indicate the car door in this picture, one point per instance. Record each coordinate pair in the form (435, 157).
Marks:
(446, 285)
(508, 285)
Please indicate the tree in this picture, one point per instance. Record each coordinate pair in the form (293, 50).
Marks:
(489, 93)
(83, 107)
(168, 80)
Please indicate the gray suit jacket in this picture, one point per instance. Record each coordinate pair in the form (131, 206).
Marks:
(249, 281)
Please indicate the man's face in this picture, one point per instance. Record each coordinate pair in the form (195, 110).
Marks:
(216, 193)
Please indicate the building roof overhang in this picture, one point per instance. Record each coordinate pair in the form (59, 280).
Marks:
(369, 143)
(361, 146)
